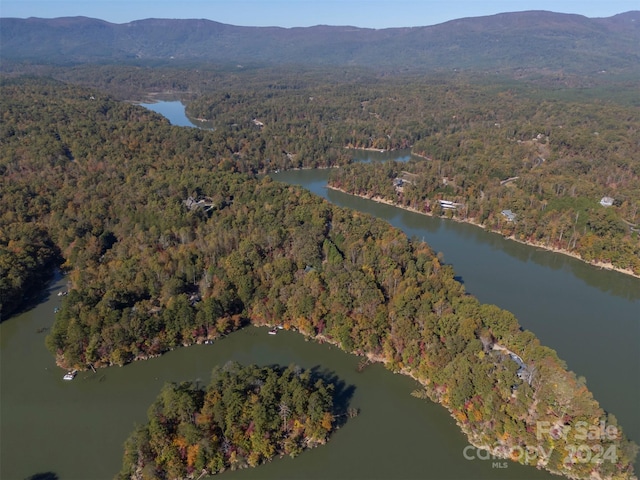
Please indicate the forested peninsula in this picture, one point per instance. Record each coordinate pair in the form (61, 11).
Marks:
(244, 417)
(170, 239)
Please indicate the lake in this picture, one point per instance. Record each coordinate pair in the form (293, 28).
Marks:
(77, 429)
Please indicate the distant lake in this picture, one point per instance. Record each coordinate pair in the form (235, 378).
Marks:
(173, 111)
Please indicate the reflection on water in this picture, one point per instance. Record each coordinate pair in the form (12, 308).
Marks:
(607, 281)
(369, 156)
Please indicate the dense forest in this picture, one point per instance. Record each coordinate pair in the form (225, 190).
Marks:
(245, 416)
(489, 150)
(547, 157)
(534, 171)
(170, 239)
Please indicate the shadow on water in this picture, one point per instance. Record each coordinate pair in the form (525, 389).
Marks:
(39, 294)
(608, 281)
(442, 234)
(342, 393)
(44, 476)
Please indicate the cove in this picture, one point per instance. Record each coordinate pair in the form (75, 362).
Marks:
(76, 429)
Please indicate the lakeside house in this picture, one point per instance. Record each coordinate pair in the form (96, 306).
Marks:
(405, 178)
(509, 215)
(205, 203)
(448, 205)
(398, 184)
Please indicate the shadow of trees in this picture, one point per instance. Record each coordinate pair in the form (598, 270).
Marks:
(44, 476)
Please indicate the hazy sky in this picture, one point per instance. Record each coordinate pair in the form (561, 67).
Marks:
(302, 13)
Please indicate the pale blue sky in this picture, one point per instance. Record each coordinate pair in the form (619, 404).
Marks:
(303, 13)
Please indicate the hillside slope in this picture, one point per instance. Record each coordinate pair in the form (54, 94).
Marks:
(534, 40)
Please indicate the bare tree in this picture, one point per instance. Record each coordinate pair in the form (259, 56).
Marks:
(284, 413)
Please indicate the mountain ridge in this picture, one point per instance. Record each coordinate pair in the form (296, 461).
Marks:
(535, 39)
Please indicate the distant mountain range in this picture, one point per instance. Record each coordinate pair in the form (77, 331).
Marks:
(530, 41)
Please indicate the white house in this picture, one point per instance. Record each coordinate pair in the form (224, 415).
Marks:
(606, 201)
(448, 205)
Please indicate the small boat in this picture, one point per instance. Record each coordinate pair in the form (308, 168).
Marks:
(273, 331)
(70, 375)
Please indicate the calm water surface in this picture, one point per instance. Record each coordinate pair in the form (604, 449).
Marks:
(76, 429)
(174, 111)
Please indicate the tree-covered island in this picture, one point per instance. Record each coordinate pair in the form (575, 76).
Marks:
(245, 416)
(169, 239)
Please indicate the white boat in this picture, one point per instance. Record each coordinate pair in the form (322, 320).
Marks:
(273, 331)
(70, 375)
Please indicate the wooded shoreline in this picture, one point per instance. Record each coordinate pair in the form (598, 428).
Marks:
(470, 221)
